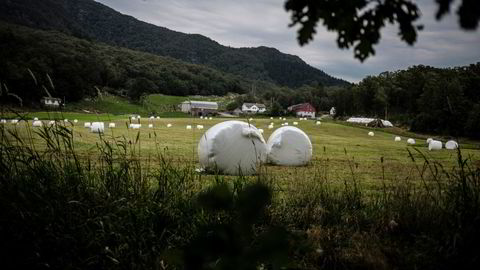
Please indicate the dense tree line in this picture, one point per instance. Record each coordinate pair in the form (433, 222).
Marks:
(77, 66)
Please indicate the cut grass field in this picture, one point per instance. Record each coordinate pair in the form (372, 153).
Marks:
(131, 199)
(339, 151)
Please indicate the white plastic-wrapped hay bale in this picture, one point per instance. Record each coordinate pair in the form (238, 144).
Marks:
(158, 117)
(289, 146)
(52, 123)
(135, 126)
(434, 145)
(65, 120)
(14, 121)
(86, 125)
(199, 126)
(210, 118)
(318, 123)
(286, 123)
(271, 118)
(232, 147)
(251, 119)
(429, 140)
(284, 119)
(97, 127)
(397, 138)
(371, 133)
(270, 126)
(451, 145)
(152, 117)
(111, 125)
(3, 121)
(411, 141)
(138, 117)
(35, 119)
(169, 125)
(133, 118)
(75, 121)
(150, 125)
(295, 123)
(37, 123)
(201, 117)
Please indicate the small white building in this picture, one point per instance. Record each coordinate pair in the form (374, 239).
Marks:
(51, 102)
(253, 108)
(199, 108)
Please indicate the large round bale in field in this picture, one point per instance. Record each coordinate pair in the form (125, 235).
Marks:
(451, 145)
(232, 147)
(97, 127)
(289, 146)
(434, 145)
(411, 141)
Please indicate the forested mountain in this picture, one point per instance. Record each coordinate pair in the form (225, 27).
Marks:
(92, 20)
(76, 66)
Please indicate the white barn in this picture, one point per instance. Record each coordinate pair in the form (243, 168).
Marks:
(199, 108)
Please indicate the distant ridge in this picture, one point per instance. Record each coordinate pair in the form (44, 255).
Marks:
(91, 20)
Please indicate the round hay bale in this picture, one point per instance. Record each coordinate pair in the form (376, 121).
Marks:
(65, 120)
(318, 123)
(189, 127)
(150, 125)
(429, 140)
(152, 117)
(295, 123)
(14, 121)
(169, 125)
(111, 125)
(232, 147)
(434, 145)
(3, 121)
(201, 117)
(35, 119)
(37, 123)
(52, 123)
(451, 145)
(75, 121)
(270, 126)
(158, 117)
(371, 133)
(86, 124)
(289, 146)
(411, 141)
(135, 126)
(271, 118)
(397, 138)
(199, 126)
(97, 127)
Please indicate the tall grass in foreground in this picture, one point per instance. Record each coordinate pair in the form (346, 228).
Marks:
(60, 211)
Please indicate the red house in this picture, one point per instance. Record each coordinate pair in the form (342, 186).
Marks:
(303, 110)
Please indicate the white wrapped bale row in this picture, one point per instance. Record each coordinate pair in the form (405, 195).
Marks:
(97, 127)
(37, 123)
(232, 147)
(135, 126)
(371, 134)
(86, 125)
(199, 126)
(397, 138)
(14, 121)
(451, 145)
(289, 146)
(411, 141)
(111, 125)
(365, 120)
(434, 145)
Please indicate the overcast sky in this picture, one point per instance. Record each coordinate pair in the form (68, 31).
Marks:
(252, 23)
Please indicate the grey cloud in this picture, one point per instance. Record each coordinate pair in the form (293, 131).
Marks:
(251, 23)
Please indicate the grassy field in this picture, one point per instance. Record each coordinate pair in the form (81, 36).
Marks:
(341, 151)
(131, 199)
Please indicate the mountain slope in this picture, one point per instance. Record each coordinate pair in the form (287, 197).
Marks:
(92, 20)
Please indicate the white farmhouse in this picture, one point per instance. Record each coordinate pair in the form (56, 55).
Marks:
(51, 102)
(253, 108)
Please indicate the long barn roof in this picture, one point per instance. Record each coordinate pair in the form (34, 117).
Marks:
(202, 104)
